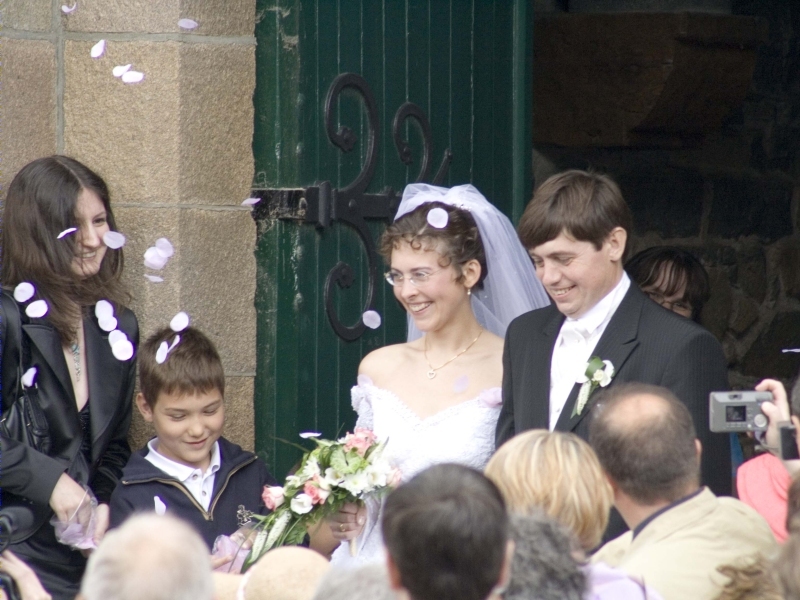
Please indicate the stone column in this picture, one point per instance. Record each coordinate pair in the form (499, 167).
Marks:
(175, 150)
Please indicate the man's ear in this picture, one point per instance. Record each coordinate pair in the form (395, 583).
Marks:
(395, 581)
(698, 449)
(617, 240)
(144, 407)
(505, 571)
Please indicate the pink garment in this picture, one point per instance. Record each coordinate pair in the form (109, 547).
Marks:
(763, 484)
(608, 583)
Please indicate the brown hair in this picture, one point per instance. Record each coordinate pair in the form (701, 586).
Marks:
(39, 204)
(558, 473)
(793, 505)
(786, 568)
(751, 579)
(458, 243)
(583, 205)
(679, 267)
(650, 454)
(193, 366)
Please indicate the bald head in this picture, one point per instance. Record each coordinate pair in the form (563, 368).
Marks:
(645, 440)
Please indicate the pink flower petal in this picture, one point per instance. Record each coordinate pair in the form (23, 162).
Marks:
(461, 384)
(37, 309)
(179, 322)
(187, 24)
(162, 353)
(251, 201)
(122, 350)
(371, 319)
(119, 70)
(68, 9)
(107, 324)
(164, 247)
(155, 278)
(29, 378)
(438, 218)
(132, 76)
(98, 49)
(114, 239)
(66, 232)
(24, 292)
(115, 336)
(103, 309)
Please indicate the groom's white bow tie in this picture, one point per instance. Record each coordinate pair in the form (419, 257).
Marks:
(573, 333)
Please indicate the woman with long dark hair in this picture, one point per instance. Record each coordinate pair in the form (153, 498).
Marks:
(67, 355)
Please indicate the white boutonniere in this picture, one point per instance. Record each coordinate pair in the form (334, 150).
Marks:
(598, 373)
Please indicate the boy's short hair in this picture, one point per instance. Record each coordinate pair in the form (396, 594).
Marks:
(446, 531)
(192, 366)
(583, 205)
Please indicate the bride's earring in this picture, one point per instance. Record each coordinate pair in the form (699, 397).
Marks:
(469, 291)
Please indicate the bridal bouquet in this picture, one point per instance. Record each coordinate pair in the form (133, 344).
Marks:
(349, 469)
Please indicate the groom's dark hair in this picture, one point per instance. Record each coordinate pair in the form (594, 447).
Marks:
(446, 532)
(586, 206)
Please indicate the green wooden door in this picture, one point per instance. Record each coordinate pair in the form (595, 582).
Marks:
(466, 66)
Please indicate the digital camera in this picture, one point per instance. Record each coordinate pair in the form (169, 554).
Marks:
(732, 412)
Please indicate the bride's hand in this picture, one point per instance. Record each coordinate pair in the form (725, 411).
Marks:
(348, 523)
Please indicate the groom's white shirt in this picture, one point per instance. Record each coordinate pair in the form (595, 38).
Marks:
(575, 343)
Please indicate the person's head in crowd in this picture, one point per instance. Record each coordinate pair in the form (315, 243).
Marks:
(673, 278)
(645, 440)
(576, 230)
(368, 582)
(750, 579)
(285, 573)
(446, 535)
(149, 556)
(786, 568)
(189, 383)
(556, 472)
(543, 566)
(55, 214)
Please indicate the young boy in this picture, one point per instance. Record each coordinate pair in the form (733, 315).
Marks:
(188, 470)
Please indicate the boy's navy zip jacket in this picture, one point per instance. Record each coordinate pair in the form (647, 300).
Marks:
(238, 483)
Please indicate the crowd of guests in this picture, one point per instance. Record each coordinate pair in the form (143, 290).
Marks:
(548, 414)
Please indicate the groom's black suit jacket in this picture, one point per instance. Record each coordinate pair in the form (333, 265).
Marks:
(646, 343)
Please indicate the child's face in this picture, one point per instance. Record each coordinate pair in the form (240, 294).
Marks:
(187, 425)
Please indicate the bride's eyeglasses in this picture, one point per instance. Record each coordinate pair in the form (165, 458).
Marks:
(420, 278)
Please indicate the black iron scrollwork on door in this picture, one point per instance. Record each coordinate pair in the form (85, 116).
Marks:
(322, 205)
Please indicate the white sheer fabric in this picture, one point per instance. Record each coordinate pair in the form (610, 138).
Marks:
(463, 434)
(511, 287)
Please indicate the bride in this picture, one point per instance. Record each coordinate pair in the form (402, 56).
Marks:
(458, 269)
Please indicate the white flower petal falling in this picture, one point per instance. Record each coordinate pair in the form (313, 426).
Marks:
(103, 309)
(159, 506)
(132, 76)
(179, 322)
(461, 384)
(68, 9)
(371, 319)
(24, 292)
(37, 309)
(122, 350)
(29, 377)
(162, 353)
(164, 247)
(114, 239)
(187, 24)
(115, 336)
(120, 70)
(98, 49)
(438, 218)
(251, 201)
(175, 341)
(107, 324)
(155, 278)
(66, 232)
(309, 434)
(153, 259)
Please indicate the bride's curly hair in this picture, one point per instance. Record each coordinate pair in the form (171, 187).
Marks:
(457, 243)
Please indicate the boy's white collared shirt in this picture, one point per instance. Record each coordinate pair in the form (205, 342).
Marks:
(575, 343)
(199, 484)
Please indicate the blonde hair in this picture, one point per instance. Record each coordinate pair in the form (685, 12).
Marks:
(558, 473)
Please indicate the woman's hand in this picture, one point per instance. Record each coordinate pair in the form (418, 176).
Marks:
(67, 498)
(348, 523)
(30, 588)
(777, 412)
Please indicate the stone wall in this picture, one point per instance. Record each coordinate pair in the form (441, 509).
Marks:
(732, 199)
(175, 150)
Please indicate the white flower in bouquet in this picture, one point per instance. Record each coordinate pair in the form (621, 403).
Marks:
(356, 483)
(301, 504)
(293, 481)
(277, 529)
(378, 472)
(332, 478)
(310, 469)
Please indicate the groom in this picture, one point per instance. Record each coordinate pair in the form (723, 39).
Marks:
(576, 231)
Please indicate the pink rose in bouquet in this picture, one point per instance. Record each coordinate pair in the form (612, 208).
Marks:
(361, 440)
(272, 496)
(316, 493)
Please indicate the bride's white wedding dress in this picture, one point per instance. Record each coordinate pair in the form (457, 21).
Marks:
(463, 433)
